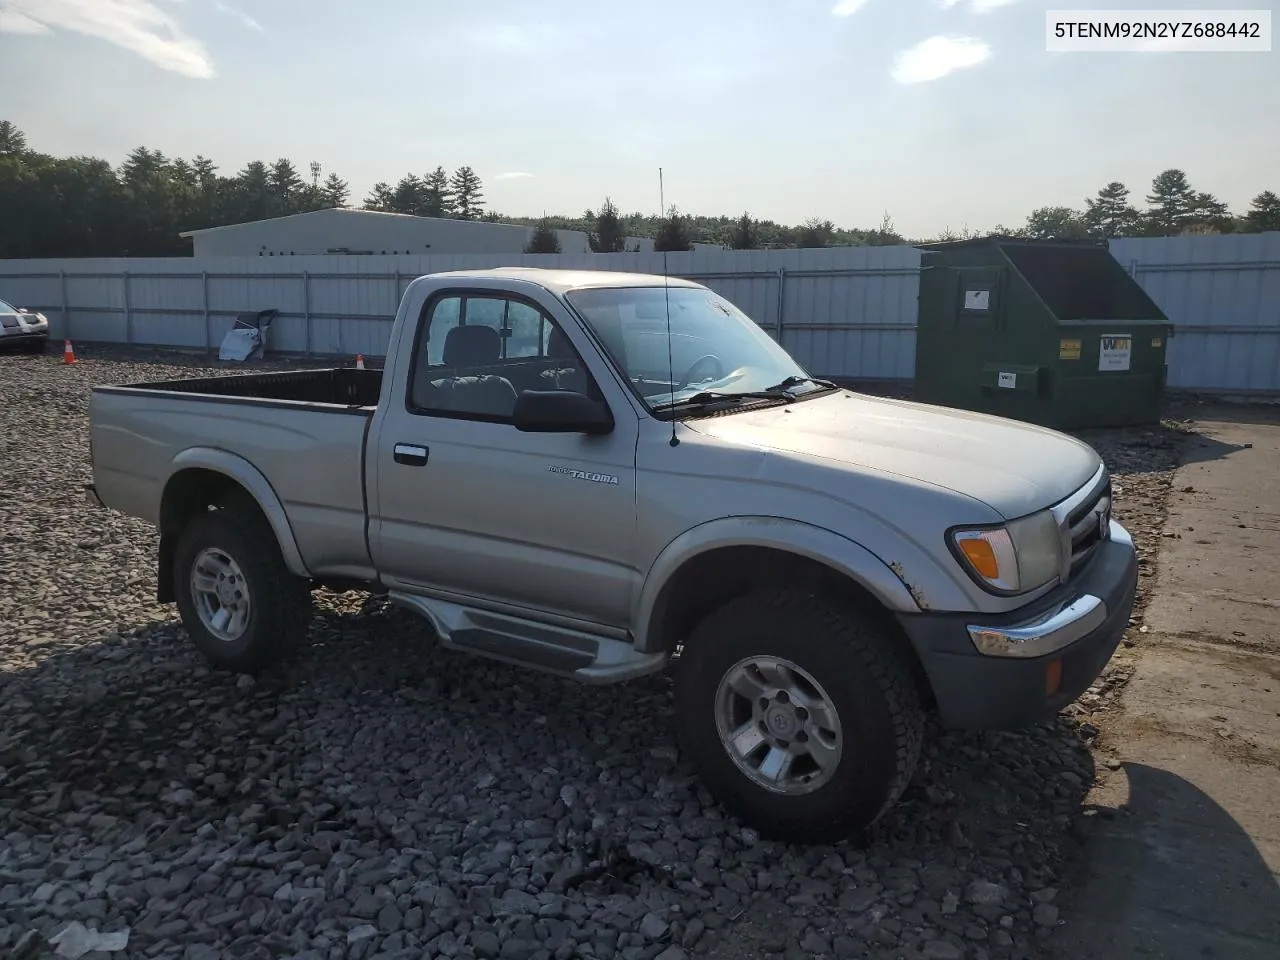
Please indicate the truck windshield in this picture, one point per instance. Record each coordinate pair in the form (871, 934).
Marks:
(715, 349)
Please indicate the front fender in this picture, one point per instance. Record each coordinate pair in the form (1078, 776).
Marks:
(258, 486)
(791, 536)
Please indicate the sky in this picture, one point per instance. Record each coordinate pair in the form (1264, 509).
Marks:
(944, 114)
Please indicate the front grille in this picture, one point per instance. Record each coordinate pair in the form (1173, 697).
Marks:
(1085, 526)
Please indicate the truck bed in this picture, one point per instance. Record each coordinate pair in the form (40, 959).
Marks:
(304, 431)
(337, 386)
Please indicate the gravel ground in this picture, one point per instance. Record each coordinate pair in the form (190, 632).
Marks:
(378, 797)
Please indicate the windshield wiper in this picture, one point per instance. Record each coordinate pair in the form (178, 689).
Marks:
(715, 396)
(779, 391)
(794, 381)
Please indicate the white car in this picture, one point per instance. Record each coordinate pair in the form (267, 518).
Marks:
(29, 328)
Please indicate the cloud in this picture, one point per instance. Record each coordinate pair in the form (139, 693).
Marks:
(240, 15)
(138, 26)
(513, 175)
(979, 6)
(936, 57)
(12, 21)
(847, 8)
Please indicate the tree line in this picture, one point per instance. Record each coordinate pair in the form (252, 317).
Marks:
(1173, 208)
(81, 206)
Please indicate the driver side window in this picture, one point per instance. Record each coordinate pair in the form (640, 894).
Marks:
(477, 351)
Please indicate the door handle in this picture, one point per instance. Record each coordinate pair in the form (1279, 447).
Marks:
(411, 455)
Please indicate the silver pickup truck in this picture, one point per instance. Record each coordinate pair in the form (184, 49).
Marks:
(600, 475)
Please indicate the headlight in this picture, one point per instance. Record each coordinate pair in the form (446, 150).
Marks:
(1016, 558)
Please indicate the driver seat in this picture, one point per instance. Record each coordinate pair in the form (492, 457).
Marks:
(472, 347)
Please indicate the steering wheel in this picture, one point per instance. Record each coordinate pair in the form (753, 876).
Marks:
(688, 374)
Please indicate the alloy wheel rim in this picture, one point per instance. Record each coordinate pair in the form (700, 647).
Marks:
(778, 725)
(221, 594)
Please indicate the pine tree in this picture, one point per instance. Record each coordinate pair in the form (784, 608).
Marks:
(610, 233)
(437, 194)
(142, 166)
(285, 186)
(673, 234)
(1171, 203)
(1210, 214)
(251, 191)
(407, 196)
(1264, 213)
(544, 239)
(745, 236)
(12, 140)
(381, 197)
(182, 173)
(1110, 214)
(468, 199)
(206, 173)
(335, 191)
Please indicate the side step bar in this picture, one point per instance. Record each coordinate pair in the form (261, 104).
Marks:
(588, 658)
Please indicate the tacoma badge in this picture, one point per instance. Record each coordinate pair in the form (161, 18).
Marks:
(583, 475)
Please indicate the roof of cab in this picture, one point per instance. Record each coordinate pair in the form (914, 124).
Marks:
(561, 281)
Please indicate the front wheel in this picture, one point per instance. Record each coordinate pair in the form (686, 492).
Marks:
(239, 603)
(800, 714)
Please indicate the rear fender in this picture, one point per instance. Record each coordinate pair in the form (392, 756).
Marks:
(248, 476)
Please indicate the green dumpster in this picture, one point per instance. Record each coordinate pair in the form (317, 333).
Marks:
(1053, 333)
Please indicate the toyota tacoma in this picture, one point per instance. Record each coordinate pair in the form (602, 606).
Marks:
(606, 475)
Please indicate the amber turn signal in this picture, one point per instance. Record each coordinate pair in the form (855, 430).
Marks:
(982, 557)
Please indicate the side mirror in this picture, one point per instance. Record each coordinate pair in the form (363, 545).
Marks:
(560, 411)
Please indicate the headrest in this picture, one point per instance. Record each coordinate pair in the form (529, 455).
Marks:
(559, 347)
(472, 346)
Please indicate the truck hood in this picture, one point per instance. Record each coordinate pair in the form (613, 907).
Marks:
(1013, 467)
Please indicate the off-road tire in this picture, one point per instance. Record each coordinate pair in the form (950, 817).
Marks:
(865, 671)
(280, 602)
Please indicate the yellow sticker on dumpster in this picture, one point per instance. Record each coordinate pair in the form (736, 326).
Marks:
(1156, 341)
(1068, 349)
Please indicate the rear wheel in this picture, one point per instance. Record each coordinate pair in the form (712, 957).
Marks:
(800, 714)
(239, 603)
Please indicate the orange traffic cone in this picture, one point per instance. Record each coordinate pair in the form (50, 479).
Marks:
(68, 354)
(359, 361)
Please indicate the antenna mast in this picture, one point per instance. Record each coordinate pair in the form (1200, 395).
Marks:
(666, 296)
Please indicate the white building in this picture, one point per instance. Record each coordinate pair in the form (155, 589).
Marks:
(345, 231)
(340, 230)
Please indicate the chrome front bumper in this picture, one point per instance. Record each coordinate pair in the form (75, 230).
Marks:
(1051, 630)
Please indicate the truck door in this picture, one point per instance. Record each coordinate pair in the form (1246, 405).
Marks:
(467, 504)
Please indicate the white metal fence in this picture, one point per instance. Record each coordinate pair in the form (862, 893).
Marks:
(1223, 295)
(842, 312)
(845, 312)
